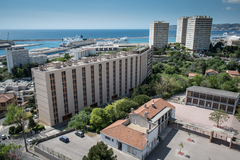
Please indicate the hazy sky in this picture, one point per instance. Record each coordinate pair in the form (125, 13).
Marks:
(110, 14)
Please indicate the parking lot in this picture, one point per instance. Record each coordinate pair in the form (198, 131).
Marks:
(78, 147)
(200, 149)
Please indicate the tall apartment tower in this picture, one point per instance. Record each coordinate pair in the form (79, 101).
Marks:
(64, 89)
(16, 56)
(158, 34)
(182, 30)
(195, 35)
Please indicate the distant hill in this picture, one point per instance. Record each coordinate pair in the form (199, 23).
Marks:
(217, 27)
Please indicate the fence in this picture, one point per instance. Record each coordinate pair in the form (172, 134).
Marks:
(52, 152)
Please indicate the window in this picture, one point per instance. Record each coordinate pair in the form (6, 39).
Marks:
(108, 138)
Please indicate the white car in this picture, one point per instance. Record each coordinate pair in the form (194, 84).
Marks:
(29, 142)
(35, 116)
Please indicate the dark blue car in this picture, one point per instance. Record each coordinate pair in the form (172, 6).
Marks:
(64, 139)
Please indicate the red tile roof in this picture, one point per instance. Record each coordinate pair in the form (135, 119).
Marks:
(192, 74)
(159, 105)
(211, 70)
(125, 134)
(233, 73)
(5, 97)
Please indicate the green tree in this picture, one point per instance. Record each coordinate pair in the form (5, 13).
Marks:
(181, 146)
(4, 62)
(100, 118)
(17, 115)
(141, 99)
(197, 80)
(223, 77)
(205, 83)
(232, 65)
(62, 59)
(213, 81)
(67, 56)
(31, 123)
(219, 116)
(79, 120)
(228, 86)
(124, 106)
(8, 152)
(100, 151)
(88, 110)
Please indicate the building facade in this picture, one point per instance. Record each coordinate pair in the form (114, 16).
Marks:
(20, 55)
(63, 89)
(194, 32)
(16, 56)
(212, 98)
(158, 34)
(182, 30)
(80, 52)
(139, 134)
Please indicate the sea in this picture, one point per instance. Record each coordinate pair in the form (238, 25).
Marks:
(87, 33)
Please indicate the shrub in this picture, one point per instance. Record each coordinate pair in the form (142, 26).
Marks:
(18, 129)
(41, 127)
(92, 128)
(11, 130)
(34, 141)
(98, 130)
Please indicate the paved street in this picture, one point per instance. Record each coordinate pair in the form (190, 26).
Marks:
(200, 149)
(78, 147)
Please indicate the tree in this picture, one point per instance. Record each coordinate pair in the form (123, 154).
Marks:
(100, 118)
(67, 56)
(197, 80)
(228, 86)
(218, 116)
(17, 115)
(10, 151)
(232, 65)
(79, 120)
(4, 63)
(141, 99)
(100, 151)
(31, 123)
(181, 146)
(213, 81)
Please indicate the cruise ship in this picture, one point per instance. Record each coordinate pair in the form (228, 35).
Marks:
(76, 41)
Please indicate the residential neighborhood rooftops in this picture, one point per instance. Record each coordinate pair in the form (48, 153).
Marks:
(213, 91)
(153, 107)
(126, 134)
(192, 74)
(233, 73)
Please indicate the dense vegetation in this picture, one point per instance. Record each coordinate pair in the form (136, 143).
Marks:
(23, 70)
(227, 51)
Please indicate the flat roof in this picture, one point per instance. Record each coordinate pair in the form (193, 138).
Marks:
(137, 127)
(140, 48)
(213, 91)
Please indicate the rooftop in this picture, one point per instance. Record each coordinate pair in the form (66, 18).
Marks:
(137, 127)
(126, 134)
(5, 97)
(211, 70)
(159, 105)
(213, 91)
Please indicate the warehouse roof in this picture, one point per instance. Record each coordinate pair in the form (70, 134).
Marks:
(213, 91)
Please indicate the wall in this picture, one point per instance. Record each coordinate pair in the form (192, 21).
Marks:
(139, 120)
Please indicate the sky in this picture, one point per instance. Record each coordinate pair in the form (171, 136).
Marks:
(110, 14)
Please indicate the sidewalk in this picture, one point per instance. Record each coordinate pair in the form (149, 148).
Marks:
(34, 155)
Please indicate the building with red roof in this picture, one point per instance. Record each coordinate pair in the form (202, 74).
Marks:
(211, 72)
(139, 134)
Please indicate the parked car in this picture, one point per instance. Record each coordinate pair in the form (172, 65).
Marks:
(29, 141)
(35, 116)
(4, 136)
(79, 133)
(64, 139)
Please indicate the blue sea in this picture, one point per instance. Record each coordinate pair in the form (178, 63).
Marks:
(94, 33)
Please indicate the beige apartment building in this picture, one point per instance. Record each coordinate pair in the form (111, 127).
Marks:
(194, 32)
(158, 34)
(182, 30)
(64, 89)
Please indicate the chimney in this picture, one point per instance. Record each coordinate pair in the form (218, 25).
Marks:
(145, 106)
(132, 110)
(153, 104)
(146, 114)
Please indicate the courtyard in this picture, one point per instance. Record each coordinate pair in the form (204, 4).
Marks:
(199, 116)
(199, 149)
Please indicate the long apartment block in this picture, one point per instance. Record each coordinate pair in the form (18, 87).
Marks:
(64, 89)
